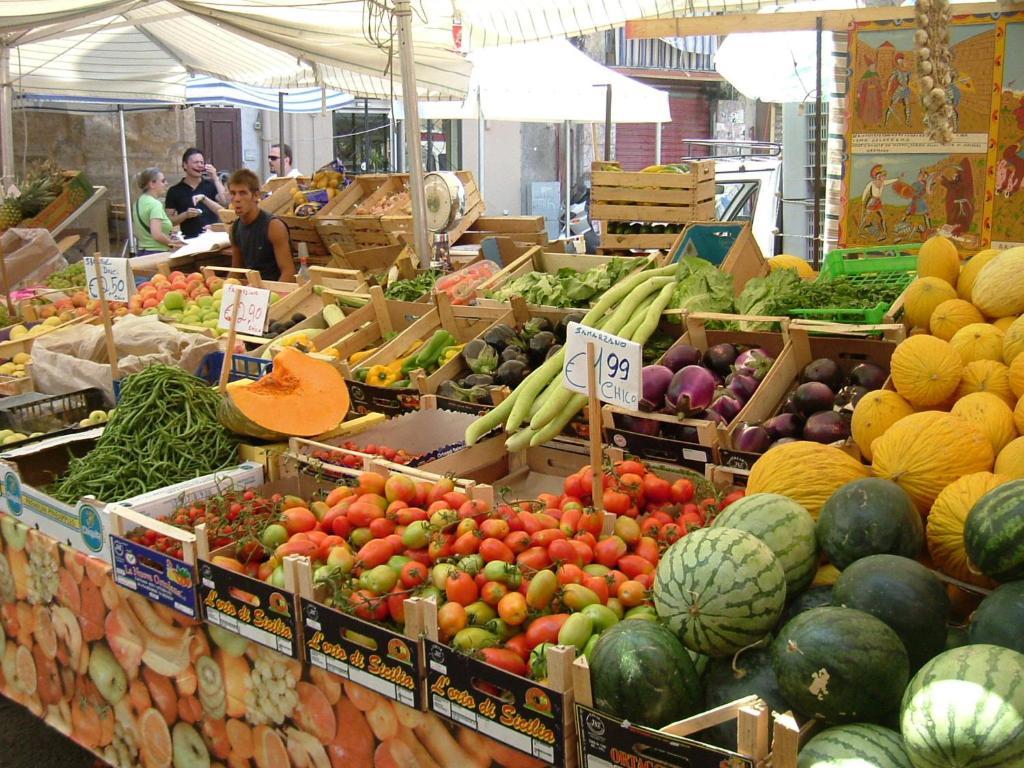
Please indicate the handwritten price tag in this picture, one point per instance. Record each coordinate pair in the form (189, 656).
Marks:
(618, 366)
(252, 309)
(116, 274)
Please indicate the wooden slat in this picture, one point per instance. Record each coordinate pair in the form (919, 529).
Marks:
(682, 214)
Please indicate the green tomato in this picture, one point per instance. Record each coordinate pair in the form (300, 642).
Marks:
(596, 569)
(416, 535)
(588, 649)
(397, 562)
(276, 578)
(379, 579)
(444, 517)
(471, 564)
(539, 661)
(643, 612)
(616, 607)
(429, 592)
(505, 573)
(577, 597)
(480, 613)
(576, 631)
(602, 616)
(359, 537)
(501, 628)
(274, 535)
(473, 638)
(439, 574)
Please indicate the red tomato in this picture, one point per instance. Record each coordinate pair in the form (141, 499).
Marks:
(682, 491)
(505, 658)
(367, 605)
(440, 547)
(671, 533)
(544, 629)
(568, 573)
(391, 513)
(375, 552)
(599, 586)
(617, 502)
(395, 542)
(381, 527)
(561, 551)
(465, 525)
(342, 527)
(573, 486)
(587, 538)
(396, 604)
(409, 515)
(631, 593)
(662, 516)
(650, 527)
(495, 528)
(569, 521)
(361, 513)
(657, 490)
(615, 580)
(298, 520)
(591, 521)
(647, 548)
(518, 541)
(550, 500)
(471, 508)
(647, 579)
(420, 556)
(451, 617)
(413, 574)
(495, 549)
(584, 552)
(730, 498)
(608, 551)
(633, 484)
(466, 544)
(533, 559)
(634, 565)
(461, 588)
(492, 592)
(456, 499)
(518, 646)
(512, 609)
(630, 466)
(325, 545)
(543, 538)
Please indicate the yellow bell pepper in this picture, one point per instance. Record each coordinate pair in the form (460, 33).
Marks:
(384, 375)
(357, 357)
(450, 353)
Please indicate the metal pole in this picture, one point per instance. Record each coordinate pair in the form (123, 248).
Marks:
(608, 123)
(127, 182)
(657, 143)
(366, 135)
(280, 133)
(568, 176)
(479, 143)
(818, 105)
(403, 14)
(399, 147)
(6, 115)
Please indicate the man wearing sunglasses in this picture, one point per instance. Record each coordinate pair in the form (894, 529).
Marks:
(281, 153)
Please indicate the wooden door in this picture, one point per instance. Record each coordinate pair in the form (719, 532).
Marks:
(219, 135)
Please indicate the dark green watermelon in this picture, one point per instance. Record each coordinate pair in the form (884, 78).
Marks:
(956, 637)
(815, 597)
(999, 619)
(639, 671)
(869, 516)
(840, 665)
(994, 532)
(728, 679)
(905, 595)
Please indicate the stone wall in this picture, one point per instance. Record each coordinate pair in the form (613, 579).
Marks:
(92, 143)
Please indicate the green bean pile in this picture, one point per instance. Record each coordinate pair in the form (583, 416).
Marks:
(164, 431)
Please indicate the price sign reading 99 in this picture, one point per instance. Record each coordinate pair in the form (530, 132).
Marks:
(116, 274)
(252, 309)
(617, 364)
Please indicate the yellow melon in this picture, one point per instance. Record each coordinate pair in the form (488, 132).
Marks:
(952, 315)
(926, 370)
(990, 414)
(785, 261)
(999, 288)
(944, 531)
(1010, 461)
(784, 470)
(969, 271)
(926, 451)
(874, 414)
(1017, 376)
(923, 296)
(978, 341)
(938, 257)
(1018, 416)
(986, 376)
(1004, 323)
(1013, 340)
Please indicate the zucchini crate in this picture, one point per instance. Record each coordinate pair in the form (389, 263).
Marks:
(650, 199)
(891, 267)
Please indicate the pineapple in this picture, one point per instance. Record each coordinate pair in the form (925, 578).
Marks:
(10, 213)
(36, 193)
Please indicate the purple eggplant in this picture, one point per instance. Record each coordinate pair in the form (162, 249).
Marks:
(726, 404)
(784, 425)
(691, 391)
(720, 358)
(680, 356)
(826, 427)
(848, 397)
(655, 380)
(754, 363)
(741, 385)
(640, 425)
(812, 397)
(868, 375)
(824, 371)
(714, 417)
(752, 438)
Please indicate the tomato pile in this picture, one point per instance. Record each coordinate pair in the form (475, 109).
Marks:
(343, 459)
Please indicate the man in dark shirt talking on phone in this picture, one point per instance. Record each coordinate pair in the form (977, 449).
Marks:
(195, 200)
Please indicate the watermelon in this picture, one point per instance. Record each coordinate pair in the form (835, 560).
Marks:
(815, 597)
(748, 672)
(994, 532)
(870, 516)
(719, 589)
(956, 637)
(858, 745)
(840, 665)
(999, 619)
(640, 672)
(902, 593)
(965, 708)
(785, 526)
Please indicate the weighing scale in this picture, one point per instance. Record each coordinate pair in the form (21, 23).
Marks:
(445, 198)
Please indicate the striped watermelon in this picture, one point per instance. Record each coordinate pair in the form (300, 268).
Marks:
(994, 533)
(965, 708)
(857, 745)
(840, 665)
(999, 619)
(785, 526)
(719, 589)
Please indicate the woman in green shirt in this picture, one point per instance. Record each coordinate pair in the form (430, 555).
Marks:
(154, 227)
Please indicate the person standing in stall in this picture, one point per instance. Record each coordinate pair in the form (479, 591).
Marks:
(259, 240)
(154, 235)
(199, 189)
(281, 157)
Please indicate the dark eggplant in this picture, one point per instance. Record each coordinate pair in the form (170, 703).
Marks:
(826, 427)
(680, 356)
(654, 384)
(514, 353)
(714, 417)
(720, 358)
(480, 356)
(752, 438)
(535, 326)
(562, 327)
(812, 397)
(539, 346)
(553, 351)
(784, 425)
(824, 371)
(691, 391)
(868, 375)
(726, 404)
(297, 318)
(789, 404)
(754, 363)
(639, 425)
(741, 385)
(501, 336)
(511, 373)
(848, 397)
(448, 389)
(477, 380)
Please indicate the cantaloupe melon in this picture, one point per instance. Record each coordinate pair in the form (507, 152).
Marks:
(1018, 416)
(926, 370)
(874, 414)
(922, 297)
(1004, 323)
(987, 376)
(1017, 376)
(944, 529)
(978, 341)
(1010, 461)
(952, 315)
(783, 470)
(969, 271)
(990, 414)
(785, 261)
(999, 288)
(1013, 340)
(938, 257)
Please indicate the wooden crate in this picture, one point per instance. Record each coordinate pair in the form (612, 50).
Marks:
(667, 198)
(77, 190)
(370, 261)
(279, 198)
(519, 229)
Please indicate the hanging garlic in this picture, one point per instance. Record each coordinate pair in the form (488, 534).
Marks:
(931, 40)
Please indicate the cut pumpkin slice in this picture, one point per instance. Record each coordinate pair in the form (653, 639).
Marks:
(300, 396)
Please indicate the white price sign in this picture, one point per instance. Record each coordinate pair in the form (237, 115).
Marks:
(252, 309)
(118, 281)
(617, 362)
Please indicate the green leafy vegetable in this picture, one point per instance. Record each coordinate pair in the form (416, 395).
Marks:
(782, 291)
(567, 287)
(701, 287)
(412, 288)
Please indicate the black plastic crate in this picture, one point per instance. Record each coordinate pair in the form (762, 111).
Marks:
(52, 414)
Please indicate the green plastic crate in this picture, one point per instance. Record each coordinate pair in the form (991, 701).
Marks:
(884, 266)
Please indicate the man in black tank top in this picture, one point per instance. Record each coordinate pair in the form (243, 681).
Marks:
(259, 240)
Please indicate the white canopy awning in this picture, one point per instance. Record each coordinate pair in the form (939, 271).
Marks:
(208, 90)
(516, 83)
